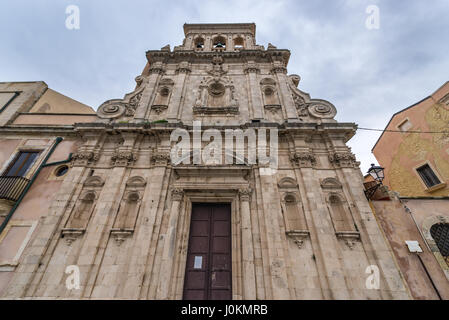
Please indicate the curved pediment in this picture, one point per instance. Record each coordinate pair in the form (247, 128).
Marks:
(166, 82)
(136, 182)
(268, 82)
(331, 183)
(287, 182)
(94, 181)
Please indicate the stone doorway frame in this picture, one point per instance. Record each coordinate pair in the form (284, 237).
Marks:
(229, 196)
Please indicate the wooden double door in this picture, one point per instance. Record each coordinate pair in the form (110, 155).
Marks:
(208, 273)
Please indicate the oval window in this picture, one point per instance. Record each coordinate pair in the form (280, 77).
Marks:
(61, 171)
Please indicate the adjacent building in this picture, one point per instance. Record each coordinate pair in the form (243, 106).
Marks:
(414, 150)
(106, 198)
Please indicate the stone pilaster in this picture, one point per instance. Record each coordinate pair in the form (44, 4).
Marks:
(142, 254)
(255, 95)
(97, 233)
(156, 71)
(168, 253)
(249, 278)
(276, 259)
(182, 71)
(287, 99)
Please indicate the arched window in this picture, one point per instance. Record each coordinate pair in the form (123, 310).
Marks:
(238, 43)
(83, 211)
(338, 214)
(128, 211)
(270, 96)
(163, 92)
(219, 43)
(294, 216)
(440, 233)
(199, 43)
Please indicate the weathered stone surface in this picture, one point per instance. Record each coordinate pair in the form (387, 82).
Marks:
(122, 162)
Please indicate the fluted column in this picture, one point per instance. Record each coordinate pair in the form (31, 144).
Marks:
(168, 253)
(249, 277)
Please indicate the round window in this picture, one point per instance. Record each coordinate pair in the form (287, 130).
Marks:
(61, 171)
(216, 89)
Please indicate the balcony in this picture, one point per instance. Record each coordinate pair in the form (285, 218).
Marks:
(12, 187)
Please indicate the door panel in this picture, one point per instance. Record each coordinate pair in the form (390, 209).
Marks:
(208, 268)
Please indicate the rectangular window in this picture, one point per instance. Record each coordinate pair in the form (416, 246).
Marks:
(6, 98)
(21, 164)
(428, 176)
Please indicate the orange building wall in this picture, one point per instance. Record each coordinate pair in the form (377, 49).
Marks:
(401, 153)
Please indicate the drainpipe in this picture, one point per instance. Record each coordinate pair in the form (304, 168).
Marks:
(44, 164)
(59, 162)
(428, 276)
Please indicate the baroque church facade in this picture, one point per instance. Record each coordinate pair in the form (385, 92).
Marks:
(138, 226)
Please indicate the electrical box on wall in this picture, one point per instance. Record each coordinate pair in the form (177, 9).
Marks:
(413, 246)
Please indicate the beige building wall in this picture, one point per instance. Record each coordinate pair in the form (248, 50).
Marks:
(28, 93)
(54, 102)
(22, 226)
(20, 98)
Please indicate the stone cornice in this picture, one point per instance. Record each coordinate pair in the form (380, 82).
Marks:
(222, 27)
(33, 129)
(201, 56)
(346, 130)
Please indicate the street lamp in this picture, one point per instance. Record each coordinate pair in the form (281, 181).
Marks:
(377, 173)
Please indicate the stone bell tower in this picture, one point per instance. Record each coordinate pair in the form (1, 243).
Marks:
(141, 226)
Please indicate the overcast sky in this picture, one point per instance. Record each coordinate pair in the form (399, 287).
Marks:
(367, 74)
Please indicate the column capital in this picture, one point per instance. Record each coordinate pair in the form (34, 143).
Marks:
(245, 194)
(177, 194)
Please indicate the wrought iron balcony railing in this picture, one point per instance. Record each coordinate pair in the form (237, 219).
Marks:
(12, 187)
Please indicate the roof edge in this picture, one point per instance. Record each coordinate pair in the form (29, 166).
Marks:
(394, 115)
(189, 26)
